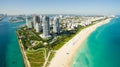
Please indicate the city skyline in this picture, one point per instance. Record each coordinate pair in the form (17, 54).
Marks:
(102, 7)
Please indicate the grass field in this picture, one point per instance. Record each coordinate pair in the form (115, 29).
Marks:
(37, 57)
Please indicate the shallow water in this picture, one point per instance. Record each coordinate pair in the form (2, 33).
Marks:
(102, 47)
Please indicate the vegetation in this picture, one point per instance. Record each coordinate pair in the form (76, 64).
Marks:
(37, 49)
(36, 57)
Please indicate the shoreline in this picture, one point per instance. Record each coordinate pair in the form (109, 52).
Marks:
(64, 57)
(25, 59)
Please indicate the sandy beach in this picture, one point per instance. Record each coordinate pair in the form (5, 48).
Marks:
(65, 55)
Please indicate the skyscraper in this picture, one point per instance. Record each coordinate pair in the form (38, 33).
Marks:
(37, 23)
(56, 25)
(38, 27)
(46, 27)
(29, 22)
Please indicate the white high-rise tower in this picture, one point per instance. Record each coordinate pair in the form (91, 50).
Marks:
(56, 25)
(37, 23)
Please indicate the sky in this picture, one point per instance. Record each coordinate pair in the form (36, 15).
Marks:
(96, 7)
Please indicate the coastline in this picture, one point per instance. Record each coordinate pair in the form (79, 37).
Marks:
(65, 55)
(25, 59)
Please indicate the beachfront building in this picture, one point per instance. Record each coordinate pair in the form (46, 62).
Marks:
(56, 25)
(51, 22)
(41, 17)
(37, 23)
(46, 27)
(85, 23)
(29, 22)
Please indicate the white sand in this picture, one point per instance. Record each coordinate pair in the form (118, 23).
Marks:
(65, 55)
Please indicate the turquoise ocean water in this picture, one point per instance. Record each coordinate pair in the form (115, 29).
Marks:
(102, 47)
(10, 55)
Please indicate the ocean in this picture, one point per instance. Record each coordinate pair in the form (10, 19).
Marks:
(10, 55)
(101, 48)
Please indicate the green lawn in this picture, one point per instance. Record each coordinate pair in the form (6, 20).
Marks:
(36, 57)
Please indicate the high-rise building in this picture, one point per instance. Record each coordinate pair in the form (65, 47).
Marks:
(41, 18)
(56, 25)
(51, 22)
(46, 27)
(37, 23)
(38, 27)
(29, 22)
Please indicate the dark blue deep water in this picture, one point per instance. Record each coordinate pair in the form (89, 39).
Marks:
(102, 47)
(10, 55)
